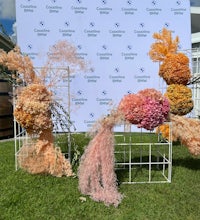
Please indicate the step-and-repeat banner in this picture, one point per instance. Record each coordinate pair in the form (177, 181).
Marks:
(113, 36)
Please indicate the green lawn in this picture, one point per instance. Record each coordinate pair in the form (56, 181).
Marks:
(41, 197)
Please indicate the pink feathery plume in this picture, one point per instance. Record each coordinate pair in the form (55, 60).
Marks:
(96, 173)
(187, 131)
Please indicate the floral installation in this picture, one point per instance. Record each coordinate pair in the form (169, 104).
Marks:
(175, 69)
(180, 99)
(44, 157)
(146, 109)
(33, 110)
(96, 173)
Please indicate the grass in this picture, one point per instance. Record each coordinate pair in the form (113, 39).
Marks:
(40, 197)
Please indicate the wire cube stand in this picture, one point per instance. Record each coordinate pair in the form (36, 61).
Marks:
(144, 157)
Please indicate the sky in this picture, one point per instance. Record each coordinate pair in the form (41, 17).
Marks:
(195, 3)
(7, 15)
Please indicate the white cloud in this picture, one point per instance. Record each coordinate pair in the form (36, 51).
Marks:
(7, 9)
(14, 35)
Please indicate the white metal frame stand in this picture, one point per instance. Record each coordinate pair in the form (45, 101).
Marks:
(144, 162)
(196, 87)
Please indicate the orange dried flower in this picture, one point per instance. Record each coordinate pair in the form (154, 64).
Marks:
(164, 130)
(164, 45)
(175, 69)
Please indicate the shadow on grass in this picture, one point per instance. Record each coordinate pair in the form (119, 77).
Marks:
(142, 171)
(188, 162)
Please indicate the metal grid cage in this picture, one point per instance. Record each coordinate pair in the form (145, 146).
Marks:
(143, 157)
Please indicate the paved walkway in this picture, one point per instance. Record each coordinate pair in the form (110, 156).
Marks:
(8, 139)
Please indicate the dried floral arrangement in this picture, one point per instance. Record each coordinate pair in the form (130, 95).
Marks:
(174, 69)
(34, 103)
(97, 178)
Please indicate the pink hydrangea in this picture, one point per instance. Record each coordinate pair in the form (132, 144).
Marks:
(147, 109)
(152, 114)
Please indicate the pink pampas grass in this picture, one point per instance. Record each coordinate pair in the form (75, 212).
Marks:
(96, 173)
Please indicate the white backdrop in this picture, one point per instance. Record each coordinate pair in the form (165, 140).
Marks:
(113, 35)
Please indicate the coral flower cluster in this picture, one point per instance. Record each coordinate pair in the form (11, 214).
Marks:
(146, 109)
